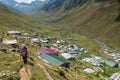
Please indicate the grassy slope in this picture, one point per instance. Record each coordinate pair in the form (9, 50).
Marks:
(94, 20)
(11, 62)
(10, 20)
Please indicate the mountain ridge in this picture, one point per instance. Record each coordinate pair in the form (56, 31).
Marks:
(95, 19)
(22, 8)
(86, 17)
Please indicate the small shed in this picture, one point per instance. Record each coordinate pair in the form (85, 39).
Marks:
(88, 70)
(109, 51)
(58, 42)
(44, 41)
(92, 61)
(53, 51)
(34, 34)
(35, 40)
(47, 45)
(55, 60)
(14, 33)
(108, 62)
(26, 35)
(115, 76)
(68, 56)
(10, 42)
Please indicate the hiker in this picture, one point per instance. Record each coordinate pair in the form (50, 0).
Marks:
(24, 53)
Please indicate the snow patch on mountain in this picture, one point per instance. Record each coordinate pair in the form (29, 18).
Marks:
(27, 1)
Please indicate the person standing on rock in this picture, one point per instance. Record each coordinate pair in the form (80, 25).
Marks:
(23, 53)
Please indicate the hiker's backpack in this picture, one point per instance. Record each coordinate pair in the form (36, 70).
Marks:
(23, 51)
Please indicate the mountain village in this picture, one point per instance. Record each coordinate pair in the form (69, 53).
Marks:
(60, 53)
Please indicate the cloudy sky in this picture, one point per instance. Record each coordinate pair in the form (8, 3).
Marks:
(27, 1)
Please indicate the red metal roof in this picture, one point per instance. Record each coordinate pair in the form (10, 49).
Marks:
(109, 51)
(14, 32)
(49, 51)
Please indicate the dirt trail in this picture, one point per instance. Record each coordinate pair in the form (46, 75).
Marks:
(45, 72)
(25, 74)
(104, 46)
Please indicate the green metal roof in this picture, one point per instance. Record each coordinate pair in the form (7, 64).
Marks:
(108, 62)
(53, 59)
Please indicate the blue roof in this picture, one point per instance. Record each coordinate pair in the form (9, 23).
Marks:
(53, 59)
(108, 62)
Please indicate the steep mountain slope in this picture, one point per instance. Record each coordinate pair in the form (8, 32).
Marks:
(10, 20)
(57, 4)
(52, 5)
(93, 18)
(25, 8)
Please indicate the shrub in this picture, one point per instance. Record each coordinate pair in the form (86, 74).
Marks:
(61, 73)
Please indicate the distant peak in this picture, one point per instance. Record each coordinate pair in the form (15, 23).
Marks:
(27, 1)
